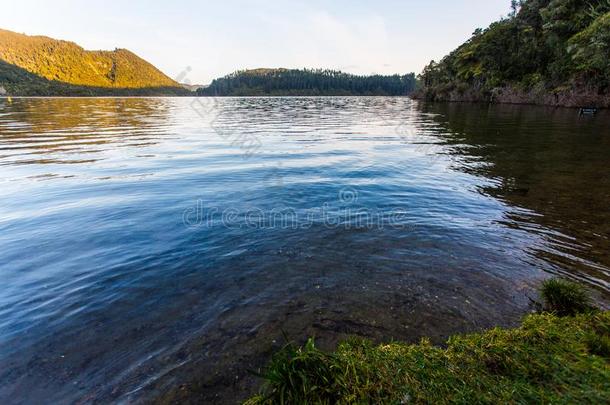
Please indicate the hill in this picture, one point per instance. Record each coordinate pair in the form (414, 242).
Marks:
(306, 82)
(38, 65)
(554, 52)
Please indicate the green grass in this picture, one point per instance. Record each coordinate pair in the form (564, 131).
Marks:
(564, 298)
(548, 359)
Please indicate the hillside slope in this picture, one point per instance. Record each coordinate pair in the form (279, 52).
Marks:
(554, 52)
(55, 66)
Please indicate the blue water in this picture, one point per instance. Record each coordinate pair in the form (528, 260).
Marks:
(149, 246)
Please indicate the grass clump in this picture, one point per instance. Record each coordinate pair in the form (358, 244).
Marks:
(548, 359)
(565, 298)
(296, 373)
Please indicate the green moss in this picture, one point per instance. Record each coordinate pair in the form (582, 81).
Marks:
(548, 359)
(599, 343)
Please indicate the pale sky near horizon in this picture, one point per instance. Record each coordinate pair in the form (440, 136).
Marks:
(215, 38)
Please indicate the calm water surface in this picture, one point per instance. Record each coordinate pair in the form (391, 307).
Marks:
(137, 260)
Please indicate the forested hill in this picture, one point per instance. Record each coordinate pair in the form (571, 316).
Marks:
(37, 65)
(554, 52)
(296, 82)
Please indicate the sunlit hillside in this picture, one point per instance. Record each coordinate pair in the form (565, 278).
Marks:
(69, 63)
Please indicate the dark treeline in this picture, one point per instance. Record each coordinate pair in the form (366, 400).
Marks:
(306, 82)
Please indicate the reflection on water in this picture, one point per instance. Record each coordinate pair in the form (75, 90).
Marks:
(551, 162)
(107, 295)
(38, 132)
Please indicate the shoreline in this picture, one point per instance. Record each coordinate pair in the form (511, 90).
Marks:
(414, 97)
(241, 378)
(513, 96)
(547, 358)
(560, 351)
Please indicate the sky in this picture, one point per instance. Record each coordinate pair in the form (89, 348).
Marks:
(201, 40)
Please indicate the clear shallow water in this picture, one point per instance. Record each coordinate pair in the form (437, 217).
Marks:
(141, 254)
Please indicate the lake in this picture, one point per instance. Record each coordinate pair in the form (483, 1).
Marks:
(160, 248)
